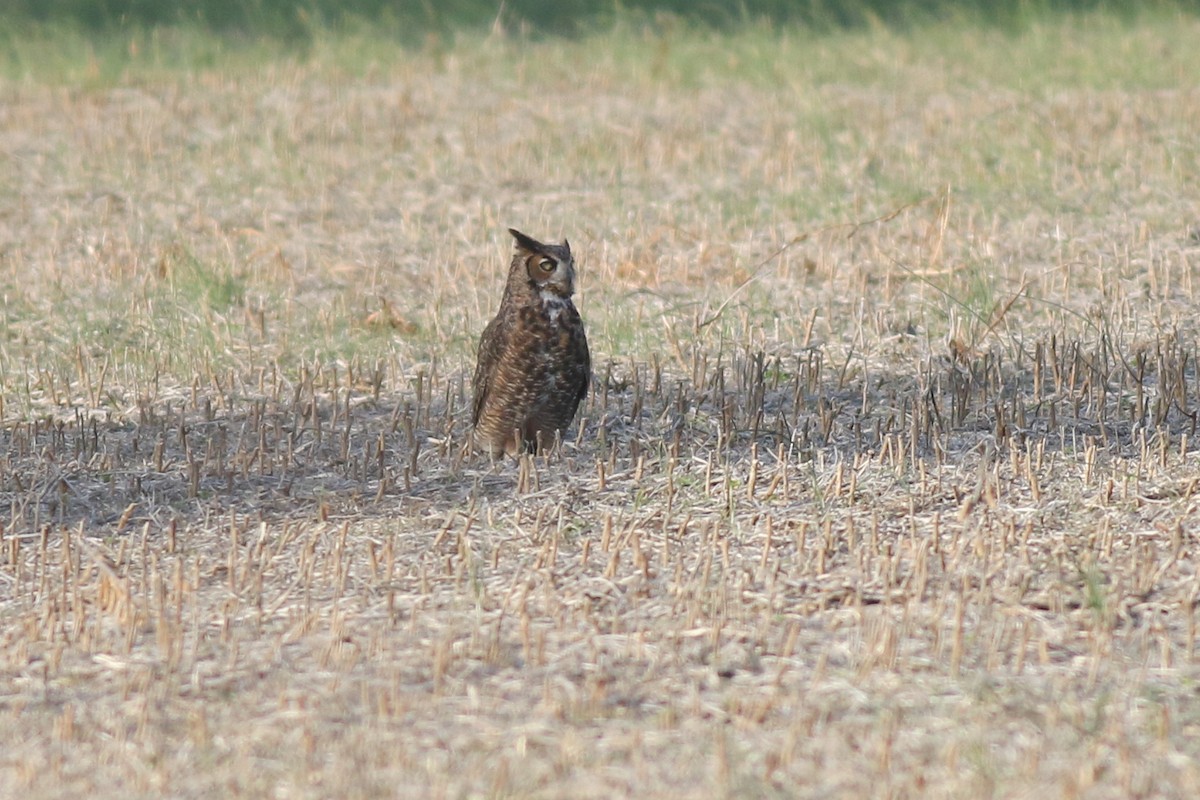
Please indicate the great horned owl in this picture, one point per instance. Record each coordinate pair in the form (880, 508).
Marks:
(533, 364)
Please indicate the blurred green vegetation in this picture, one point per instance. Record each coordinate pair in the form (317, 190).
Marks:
(299, 19)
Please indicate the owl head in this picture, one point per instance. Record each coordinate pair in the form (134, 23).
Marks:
(544, 267)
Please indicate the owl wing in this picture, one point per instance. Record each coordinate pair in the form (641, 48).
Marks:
(491, 348)
(583, 357)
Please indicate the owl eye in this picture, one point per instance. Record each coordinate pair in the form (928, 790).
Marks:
(546, 266)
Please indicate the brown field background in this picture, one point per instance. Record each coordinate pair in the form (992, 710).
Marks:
(886, 487)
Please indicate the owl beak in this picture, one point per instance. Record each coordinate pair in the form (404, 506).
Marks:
(563, 284)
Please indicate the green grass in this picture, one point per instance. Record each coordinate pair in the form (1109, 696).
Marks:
(298, 22)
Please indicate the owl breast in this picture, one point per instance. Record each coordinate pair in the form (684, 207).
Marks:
(542, 377)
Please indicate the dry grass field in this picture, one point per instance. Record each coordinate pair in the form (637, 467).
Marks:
(887, 486)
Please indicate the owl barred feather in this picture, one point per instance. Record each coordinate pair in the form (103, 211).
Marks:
(533, 365)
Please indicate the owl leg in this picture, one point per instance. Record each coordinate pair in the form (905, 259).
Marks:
(514, 445)
(549, 442)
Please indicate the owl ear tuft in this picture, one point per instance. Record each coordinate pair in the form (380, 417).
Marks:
(566, 245)
(527, 243)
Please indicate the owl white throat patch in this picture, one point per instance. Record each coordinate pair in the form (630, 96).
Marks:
(554, 305)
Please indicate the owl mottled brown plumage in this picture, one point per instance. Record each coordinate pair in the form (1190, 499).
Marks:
(533, 364)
